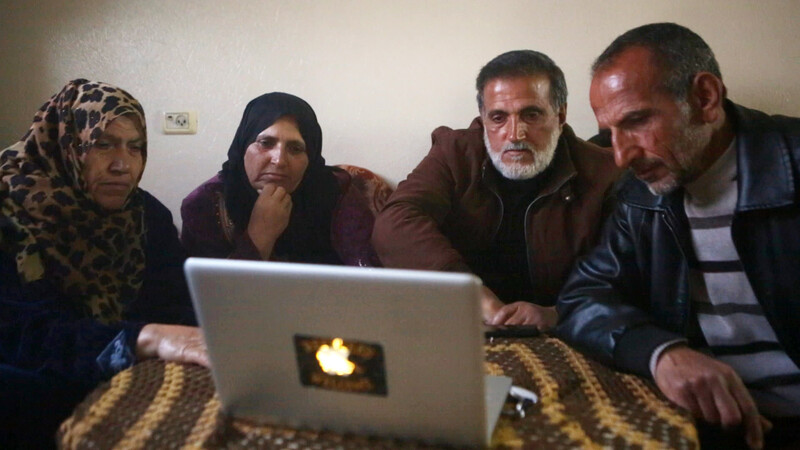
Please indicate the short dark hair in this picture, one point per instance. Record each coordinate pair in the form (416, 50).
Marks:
(679, 52)
(524, 63)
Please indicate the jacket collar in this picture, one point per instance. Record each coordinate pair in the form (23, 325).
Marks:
(561, 168)
(764, 167)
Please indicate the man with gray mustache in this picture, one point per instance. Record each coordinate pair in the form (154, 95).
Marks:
(515, 198)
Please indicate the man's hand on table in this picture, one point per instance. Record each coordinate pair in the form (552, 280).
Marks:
(517, 313)
(176, 343)
(711, 390)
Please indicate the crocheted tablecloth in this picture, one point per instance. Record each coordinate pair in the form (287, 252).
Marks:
(582, 405)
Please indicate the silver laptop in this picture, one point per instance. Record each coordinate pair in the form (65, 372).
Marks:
(385, 352)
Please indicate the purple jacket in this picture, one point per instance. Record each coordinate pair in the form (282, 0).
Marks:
(208, 231)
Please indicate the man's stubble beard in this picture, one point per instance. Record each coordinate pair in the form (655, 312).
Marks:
(689, 149)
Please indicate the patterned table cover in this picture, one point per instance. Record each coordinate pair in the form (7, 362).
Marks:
(582, 405)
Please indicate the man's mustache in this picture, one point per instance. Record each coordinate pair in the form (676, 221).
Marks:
(518, 146)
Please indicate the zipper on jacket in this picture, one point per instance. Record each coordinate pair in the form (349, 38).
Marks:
(499, 201)
(566, 198)
(539, 197)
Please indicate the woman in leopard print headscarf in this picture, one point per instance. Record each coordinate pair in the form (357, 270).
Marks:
(52, 223)
(90, 264)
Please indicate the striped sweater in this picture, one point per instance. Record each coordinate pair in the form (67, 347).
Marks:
(730, 317)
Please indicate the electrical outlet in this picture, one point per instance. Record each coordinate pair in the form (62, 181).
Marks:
(180, 122)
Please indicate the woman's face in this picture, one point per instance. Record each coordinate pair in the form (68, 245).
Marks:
(278, 156)
(113, 165)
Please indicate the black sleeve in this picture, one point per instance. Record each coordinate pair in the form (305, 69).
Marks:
(601, 306)
(40, 331)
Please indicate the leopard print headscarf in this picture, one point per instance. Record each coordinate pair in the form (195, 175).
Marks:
(49, 221)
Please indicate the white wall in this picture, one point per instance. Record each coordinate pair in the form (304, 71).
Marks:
(381, 75)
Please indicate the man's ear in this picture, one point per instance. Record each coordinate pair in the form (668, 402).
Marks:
(708, 96)
(562, 115)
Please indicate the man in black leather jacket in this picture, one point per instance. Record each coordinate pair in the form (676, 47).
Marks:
(656, 297)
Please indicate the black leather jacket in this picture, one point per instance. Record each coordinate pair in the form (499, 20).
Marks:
(631, 293)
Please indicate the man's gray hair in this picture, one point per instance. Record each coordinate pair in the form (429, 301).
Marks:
(679, 52)
(524, 63)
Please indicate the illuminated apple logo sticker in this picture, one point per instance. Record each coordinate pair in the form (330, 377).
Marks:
(325, 362)
(333, 359)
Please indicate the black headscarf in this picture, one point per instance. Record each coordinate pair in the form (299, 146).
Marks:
(307, 238)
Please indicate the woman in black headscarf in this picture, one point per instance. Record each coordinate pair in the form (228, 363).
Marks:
(275, 199)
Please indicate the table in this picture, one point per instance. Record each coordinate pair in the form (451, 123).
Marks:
(583, 404)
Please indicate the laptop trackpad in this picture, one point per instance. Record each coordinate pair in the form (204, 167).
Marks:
(496, 392)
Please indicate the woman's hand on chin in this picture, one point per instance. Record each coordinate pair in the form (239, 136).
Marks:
(172, 343)
(269, 218)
